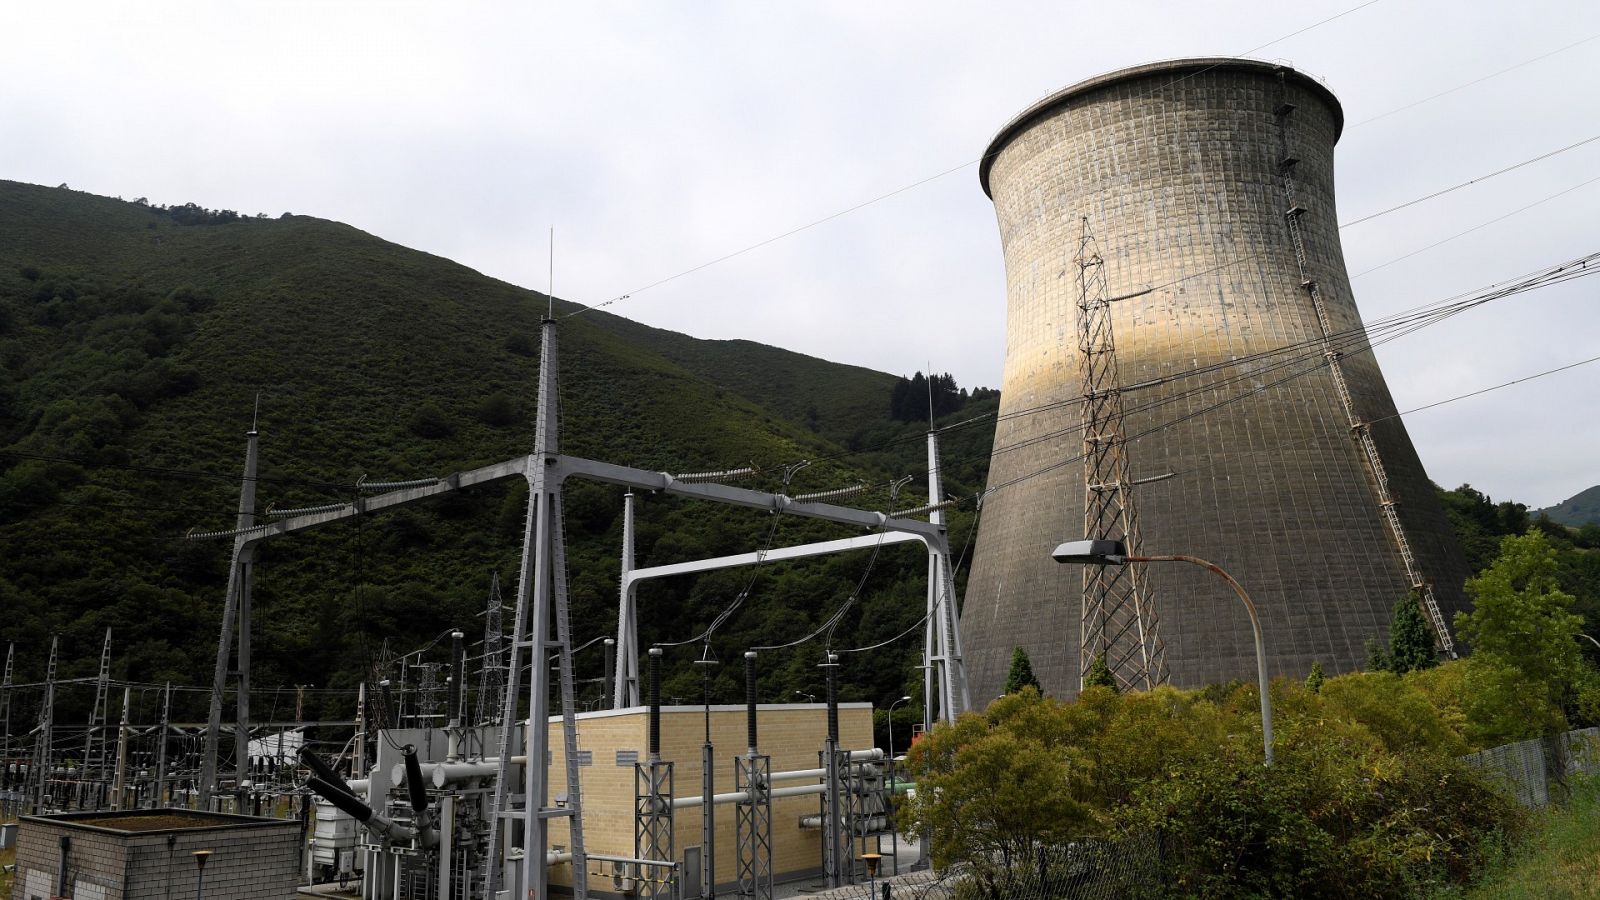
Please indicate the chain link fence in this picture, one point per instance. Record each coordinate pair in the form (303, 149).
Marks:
(1082, 870)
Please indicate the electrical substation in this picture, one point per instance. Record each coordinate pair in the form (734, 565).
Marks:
(431, 793)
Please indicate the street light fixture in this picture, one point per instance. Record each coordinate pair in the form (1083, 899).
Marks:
(200, 858)
(810, 698)
(1113, 553)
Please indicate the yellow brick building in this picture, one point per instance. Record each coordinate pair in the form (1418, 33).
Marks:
(609, 740)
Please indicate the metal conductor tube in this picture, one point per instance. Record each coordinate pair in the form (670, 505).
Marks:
(654, 745)
(458, 680)
(832, 666)
(610, 667)
(750, 698)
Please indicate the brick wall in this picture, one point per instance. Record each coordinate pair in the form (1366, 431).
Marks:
(791, 734)
(252, 859)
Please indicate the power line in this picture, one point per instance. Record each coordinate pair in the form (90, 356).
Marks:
(1526, 62)
(931, 178)
(1511, 168)
(1305, 349)
(1477, 227)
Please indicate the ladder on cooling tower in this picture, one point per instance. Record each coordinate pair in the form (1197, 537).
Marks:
(1362, 431)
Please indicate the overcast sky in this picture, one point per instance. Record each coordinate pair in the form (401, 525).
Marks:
(657, 137)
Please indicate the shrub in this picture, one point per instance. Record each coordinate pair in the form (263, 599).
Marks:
(429, 421)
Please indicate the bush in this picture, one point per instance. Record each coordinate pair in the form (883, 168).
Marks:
(498, 410)
(429, 421)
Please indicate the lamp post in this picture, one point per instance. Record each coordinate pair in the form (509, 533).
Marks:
(810, 698)
(892, 770)
(1113, 553)
(905, 699)
(200, 857)
(1589, 639)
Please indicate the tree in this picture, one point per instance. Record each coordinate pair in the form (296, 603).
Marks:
(996, 790)
(430, 421)
(1378, 656)
(1521, 629)
(1410, 640)
(1099, 675)
(1316, 678)
(498, 409)
(1021, 674)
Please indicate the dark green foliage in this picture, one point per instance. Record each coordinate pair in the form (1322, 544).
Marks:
(128, 378)
(1410, 638)
(1315, 679)
(1588, 536)
(1021, 673)
(1099, 675)
(498, 409)
(919, 398)
(1366, 799)
(521, 344)
(429, 421)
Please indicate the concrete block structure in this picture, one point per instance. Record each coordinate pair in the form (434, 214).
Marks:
(149, 854)
(611, 740)
(1179, 169)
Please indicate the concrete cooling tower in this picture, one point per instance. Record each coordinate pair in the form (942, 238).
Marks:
(1182, 341)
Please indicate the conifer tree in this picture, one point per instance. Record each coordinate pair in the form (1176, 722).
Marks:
(1315, 679)
(1100, 675)
(1410, 644)
(1021, 674)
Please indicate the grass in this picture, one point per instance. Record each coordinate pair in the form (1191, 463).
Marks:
(1559, 859)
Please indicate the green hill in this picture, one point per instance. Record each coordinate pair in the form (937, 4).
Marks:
(1583, 508)
(134, 340)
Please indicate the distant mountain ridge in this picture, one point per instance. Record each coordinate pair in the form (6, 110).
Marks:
(1582, 508)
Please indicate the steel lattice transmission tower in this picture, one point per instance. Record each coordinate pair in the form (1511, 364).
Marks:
(1119, 620)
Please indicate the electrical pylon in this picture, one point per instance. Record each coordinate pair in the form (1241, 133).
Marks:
(1119, 620)
(492, 677)
(43, 757)
(94, 740)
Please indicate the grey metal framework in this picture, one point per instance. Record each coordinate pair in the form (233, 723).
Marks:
(752, 823)
(1360, 430)
(653, 836)
(541, 606)
(1119, 622)
(43, 759)
(492, 675)
(94, 738)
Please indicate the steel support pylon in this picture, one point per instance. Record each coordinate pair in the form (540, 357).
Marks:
(1119, 622)
(942, 643)
(236, 599)
(753, 825)
(653, 831)
(541, 598)
(43, 757)
(492, 676)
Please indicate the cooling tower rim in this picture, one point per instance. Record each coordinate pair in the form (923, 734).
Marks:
(1025, 119)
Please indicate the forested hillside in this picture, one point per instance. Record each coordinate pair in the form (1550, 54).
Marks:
(134, 341)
